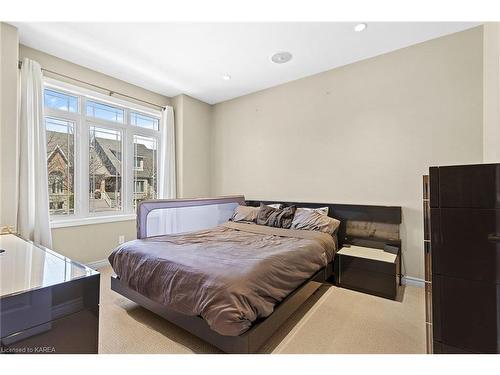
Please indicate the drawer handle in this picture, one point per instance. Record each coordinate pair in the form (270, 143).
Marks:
(493, 237)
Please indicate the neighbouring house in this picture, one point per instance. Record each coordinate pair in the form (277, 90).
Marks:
(60, 156)
(105, 168)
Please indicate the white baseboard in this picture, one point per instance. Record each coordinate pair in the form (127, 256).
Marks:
(98, 264)
(413, 281)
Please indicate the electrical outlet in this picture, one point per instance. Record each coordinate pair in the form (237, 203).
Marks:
(121, 239)
(7, 229)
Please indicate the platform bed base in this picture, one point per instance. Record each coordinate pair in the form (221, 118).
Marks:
(248, 342)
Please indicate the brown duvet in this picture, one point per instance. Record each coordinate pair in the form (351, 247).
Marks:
(230, 275)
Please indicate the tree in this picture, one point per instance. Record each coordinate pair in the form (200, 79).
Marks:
(60, 156)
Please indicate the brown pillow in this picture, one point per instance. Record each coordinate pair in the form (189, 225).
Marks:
(315, 220)
(274, 217)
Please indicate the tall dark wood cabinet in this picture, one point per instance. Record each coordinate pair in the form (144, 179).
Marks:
(465, 244)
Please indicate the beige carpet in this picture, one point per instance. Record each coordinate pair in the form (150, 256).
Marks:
(333, 320)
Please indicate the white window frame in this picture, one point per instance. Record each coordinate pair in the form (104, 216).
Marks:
(82, 215)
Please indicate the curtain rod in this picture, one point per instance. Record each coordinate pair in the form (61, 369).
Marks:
(111, 92)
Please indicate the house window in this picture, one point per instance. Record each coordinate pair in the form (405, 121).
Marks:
(56, 183)
(146, 155)
(138, 163)
(139, 186)
(101, 153)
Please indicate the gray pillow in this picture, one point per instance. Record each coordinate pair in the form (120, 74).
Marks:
(276, 217)
(245, 214)
(314, 220)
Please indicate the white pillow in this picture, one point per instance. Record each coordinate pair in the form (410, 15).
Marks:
(275, 205)
(322, 210)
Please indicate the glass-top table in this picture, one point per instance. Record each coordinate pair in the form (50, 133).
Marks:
(25, 267)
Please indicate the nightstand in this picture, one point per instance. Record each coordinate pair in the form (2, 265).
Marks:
(368, 270)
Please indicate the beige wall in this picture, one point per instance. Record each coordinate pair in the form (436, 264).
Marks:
(363, 133)
(8, 124)
(491, 92)
(91, 243)
(193, 143)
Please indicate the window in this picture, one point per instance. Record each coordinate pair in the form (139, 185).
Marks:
(139, 186)
(56, 183)
(105, 169)
(60, 165)
(104, 111)
(101, 153)
(145, 168)
(60, 101)
(56, 205)
(144, 121)
(138, 163)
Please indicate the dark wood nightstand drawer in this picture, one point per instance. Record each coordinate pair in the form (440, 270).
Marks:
(369, 265)
(375, 274)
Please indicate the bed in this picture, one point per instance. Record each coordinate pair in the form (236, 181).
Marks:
(231, 284)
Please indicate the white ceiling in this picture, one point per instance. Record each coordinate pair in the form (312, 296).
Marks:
(191, 58)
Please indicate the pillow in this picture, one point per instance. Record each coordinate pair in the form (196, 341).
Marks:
(245, 213)
(314, 220)
(322, 210)
(275, 205)
(276, 217)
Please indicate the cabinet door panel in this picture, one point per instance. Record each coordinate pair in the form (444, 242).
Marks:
(440, 348)
(463, 244)
(468, 314)
(435, 239)
(471, 186)
(434, 187)
(436, 307)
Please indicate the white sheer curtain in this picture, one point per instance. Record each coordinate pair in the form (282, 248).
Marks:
(33, 199)
(167, 184)
(165, 221)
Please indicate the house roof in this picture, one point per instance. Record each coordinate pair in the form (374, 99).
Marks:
(107, 152)
(110, 148)
(60, 143)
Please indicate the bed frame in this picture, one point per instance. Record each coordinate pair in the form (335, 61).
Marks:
(262, 330)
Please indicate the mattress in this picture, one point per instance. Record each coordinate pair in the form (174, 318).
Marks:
(230, 275)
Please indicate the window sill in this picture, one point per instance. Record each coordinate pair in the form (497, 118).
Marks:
(76, 222)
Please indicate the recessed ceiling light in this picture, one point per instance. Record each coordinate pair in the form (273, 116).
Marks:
(281, 57)
(360, 27)
(226, 77)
